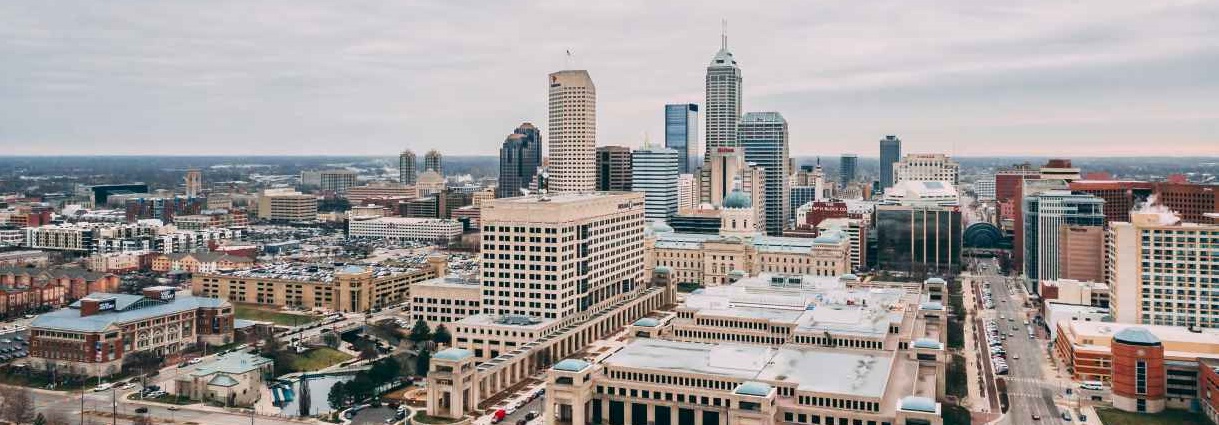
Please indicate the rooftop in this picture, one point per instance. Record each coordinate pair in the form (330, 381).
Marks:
(453, 354)
(571, 365)
(234, 363)
(811, 369)
(312, 272)
(127, 308)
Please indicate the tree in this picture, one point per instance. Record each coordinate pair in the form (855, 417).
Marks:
(18, 406)
(331, 339)
(271, 346)
(368, 351)
(442, 335)
(422, 362)
(39, 420)
(384, 370)
(420, 332)
(337, 396)
(141, 362)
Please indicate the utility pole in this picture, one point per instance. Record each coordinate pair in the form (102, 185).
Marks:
(114, 406)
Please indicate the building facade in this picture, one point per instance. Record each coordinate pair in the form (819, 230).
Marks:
(918, 239)
(614, 168)
(890, 153)
(350, 288)
(927, 167)
(847, 164)
(687, 192)
(1161, 271)
(1081, 253)
(286, 205)
(433, 161)
(407, 167)
(573, 132)
(1045, 214)
(404, 228)
(654, 171)
(764, 137)
(519, 158)
(681, 135)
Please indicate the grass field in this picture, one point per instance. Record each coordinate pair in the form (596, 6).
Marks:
(1111, 416)
(314, 359)
(265, 314)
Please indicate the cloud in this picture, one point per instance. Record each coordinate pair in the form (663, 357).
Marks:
(309, 77)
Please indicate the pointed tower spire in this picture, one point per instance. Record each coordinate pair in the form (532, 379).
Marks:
(724, 34)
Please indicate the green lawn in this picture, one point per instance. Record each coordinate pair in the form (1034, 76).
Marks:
(265, 314)
(1111, 416)
(314, 359)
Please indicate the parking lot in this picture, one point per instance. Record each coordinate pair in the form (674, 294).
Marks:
(14, 345)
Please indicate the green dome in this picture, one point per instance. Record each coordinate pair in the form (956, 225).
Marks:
(737, 199)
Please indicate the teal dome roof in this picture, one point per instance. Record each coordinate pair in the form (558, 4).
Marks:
(737, 199)
(647, 322)
(1136, 336)
(663, 270)
(572, 365)
(453, 354)
(918, 404)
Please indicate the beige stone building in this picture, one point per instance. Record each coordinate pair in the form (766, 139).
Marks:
(1161, 271)
(233, 380)
(710, 259)
(286, 205)
(573, 132)
(445, 300)
(351, 288)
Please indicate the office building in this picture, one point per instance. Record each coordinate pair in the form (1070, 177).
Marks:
(1081, 253)
(1192, 202)
(1028, 187)
(194, 183)
(573, 132)
(1009, 180)
(764, 137)
(613, 169)
(430, 183)
(681, 135)
(350, 288)
(433, 161)
(1059, 169)
(103, 191)
(654, 172)
(1045, 214)
(856, 231)
(846, 169)
(583, 250)
(407, 167)
(723, 102)
(1161, 271)
(798, 196)
(984, 187)
(1120, 196)
(1076, 293)
(519, 158)
(404, 228)
(723, 167)
(890, 153)
(286, 205)
(927, 167)
(687, 192)
(446, 299)
(92, 336)
(921, 240)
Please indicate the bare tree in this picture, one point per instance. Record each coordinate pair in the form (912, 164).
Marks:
(17, 405)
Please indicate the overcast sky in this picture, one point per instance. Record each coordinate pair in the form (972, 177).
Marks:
(1043, 77)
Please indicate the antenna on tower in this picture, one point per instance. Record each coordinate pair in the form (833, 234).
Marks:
(724, 34)
(568, 59)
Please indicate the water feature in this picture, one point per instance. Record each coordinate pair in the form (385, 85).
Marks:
(319, 388)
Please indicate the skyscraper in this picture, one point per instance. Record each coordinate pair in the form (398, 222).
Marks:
(846, 169)
(519, 158)
(763, 135)
(613, 168)
(407, 173)
(723, 107)
(194, 182)
(890, 152)
(1045, 213)
(654, 172)
(573, 131)
(432, 161)
(681, 135)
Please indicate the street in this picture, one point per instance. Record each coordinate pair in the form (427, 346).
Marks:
(1030, 391)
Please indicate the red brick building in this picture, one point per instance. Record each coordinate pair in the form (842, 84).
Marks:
(23, 288)
(1120, 196)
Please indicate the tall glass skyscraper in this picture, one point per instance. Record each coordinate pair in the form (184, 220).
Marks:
(846, 169)
(1044, 214)
(681, 135)
(764, 138)
(890, 153)
(654, 172)
(519, 158)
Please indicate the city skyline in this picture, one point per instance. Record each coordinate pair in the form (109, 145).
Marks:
(332, 81)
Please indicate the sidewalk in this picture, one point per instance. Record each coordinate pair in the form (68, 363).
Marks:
(977, 399)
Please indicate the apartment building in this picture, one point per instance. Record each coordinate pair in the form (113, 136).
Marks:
(350, 288)
(91, 336)
(1163, 271)
(404, 228)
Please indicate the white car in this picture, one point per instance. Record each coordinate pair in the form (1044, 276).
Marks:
(242, 347)
(195, 360)
(103, 386)
(127, 386)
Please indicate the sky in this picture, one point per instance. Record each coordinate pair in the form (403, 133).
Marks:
(968, 78)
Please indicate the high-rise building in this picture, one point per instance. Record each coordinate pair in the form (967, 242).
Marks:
(984, 187)
(1081, 253)
(687, 192)
(890, 153)
(286, 205)
(1161, 271)
(589, 248)
(1191, 201)
(336, 181)
(1008, 181)
(407, 168)
(681, 135)
(432, 160)
(763, 135)
(922, 240)
(1045, 213)
(723, 167)
(846, 169)
(573, 132)
(519, 158)
(654, 172)
(613, 167)
(194, 183)
(927, 167)
(723, 100)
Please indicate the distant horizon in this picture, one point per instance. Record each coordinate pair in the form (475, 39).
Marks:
(833, 156)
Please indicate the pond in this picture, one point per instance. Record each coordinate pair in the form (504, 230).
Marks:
(319, 388)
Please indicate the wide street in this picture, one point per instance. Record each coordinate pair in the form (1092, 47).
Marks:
(1030, 391)
(68, 404)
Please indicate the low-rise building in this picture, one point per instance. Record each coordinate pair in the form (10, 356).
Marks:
(233, 380)
(1070, 291)
(200, 262)
(91, 336)
(24, 258)
(212, 218)
(118, 262)
(350, 288)
(708, 259)
(76, 282)
(404, 228)
(445, 299)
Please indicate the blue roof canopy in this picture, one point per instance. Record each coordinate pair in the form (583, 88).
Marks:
(572, 365)
(753, 388)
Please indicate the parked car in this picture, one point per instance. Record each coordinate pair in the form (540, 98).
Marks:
(103, 386)
(141, 410)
